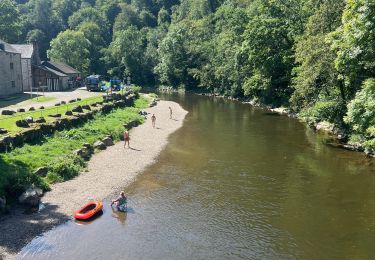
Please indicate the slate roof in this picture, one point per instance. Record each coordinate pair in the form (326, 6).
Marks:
(8, 47)
(57, 73)
(59, 66)
(26, 50)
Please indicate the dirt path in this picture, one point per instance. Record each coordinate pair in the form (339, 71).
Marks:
(107, 172)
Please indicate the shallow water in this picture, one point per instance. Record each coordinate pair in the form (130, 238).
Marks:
(235, 182)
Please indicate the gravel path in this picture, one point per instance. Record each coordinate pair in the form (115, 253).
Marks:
(107, 172)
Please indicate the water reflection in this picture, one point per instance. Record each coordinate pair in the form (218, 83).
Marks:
(236, 183)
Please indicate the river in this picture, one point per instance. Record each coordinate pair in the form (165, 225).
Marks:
(235, 182)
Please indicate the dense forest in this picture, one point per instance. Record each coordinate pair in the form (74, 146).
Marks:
(316, 57)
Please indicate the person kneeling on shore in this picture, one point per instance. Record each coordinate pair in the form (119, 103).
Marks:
(121, 202)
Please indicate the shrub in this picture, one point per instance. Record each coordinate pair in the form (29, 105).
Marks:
(330, 110)
(361, 115)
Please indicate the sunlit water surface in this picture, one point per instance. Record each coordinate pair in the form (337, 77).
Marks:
(235, 182)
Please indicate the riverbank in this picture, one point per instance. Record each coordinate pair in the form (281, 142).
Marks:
(339, 137)
(107, 172)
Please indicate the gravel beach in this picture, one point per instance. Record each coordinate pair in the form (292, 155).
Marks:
(107, 172)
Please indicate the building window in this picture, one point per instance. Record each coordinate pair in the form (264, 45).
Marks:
(13, 84)
(11, 65)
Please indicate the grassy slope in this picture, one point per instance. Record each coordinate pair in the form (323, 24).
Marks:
(16, 167)
(9, 122)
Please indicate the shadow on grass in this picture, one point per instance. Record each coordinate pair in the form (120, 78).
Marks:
(15, 99)
(18, 229)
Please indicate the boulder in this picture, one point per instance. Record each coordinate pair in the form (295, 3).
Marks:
(77, 109)
(21, 110)
(40, 120)
(8, 112)
(100, 145)
(94, 105)
(42, 171)
(84, 152)
(68, 113)
(32, 109)
(3, 131)
(79, 99)
(153, 103)
(29, 119)
(31, 197)
(62, 102)
(22, 123)
(57, 104)
(72, 100)
(54, 115)
(42, 107)
(107, 141)
(87, 107)
(31, 134)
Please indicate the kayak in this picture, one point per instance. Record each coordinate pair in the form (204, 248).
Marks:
(89, 210)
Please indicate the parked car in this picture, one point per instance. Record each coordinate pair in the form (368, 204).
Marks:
(93, 83)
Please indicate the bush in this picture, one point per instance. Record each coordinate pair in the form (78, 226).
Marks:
(66, 168)
(331, 111)
(361, 115)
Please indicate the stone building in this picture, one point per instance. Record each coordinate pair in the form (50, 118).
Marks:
(72, 73)
(22, 70)
(29, 57)
(10, 70)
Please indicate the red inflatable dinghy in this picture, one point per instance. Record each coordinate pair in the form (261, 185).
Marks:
(89, 210)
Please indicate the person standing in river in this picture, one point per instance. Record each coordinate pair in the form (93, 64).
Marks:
(153, 120)
(170, 113)
(126, 138)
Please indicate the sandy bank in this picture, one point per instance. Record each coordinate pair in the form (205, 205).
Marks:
(107, 172)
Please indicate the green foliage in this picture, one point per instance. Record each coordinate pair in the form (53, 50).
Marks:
(17, 166)
(361, 113)
(66, 169)
(326, 110)
(316, 74)
(72, 48)
(354, 43)
(9, 21)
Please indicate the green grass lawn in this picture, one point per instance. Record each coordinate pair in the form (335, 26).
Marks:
(39, 99)
(56, 152)
(9, 122)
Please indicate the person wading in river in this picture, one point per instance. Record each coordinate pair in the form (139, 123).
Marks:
(153, 120)
(121, 202)
(126, 138)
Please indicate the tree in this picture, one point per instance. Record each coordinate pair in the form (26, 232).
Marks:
(72, 48)
(92, 33)
(10, 22)
(126, 55)
(316, 75)
(90, 14)
(65, 8)
(354, 43)
(268, 45)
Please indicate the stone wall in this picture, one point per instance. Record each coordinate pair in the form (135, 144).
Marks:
(38, 130)
(9, 75)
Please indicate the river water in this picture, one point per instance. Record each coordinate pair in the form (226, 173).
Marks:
(235, 182)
